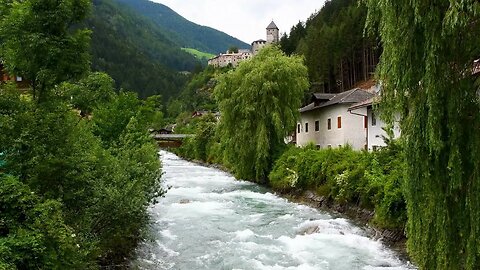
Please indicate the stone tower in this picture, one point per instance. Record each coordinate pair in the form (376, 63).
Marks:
(272, 33)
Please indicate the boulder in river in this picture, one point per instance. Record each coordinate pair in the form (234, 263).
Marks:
(310, 230)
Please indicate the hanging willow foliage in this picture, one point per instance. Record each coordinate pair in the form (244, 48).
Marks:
(259, 102)
(426, 71)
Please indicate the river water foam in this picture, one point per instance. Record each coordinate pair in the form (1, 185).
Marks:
(209, 220)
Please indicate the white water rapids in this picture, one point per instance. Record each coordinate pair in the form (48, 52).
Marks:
(209, 220)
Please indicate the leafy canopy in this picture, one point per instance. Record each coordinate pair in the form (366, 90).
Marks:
(258, 102)
(40, 42)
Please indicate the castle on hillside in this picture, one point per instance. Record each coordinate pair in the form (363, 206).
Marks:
(234, 58)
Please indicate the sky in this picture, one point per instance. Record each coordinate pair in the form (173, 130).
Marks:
(245, 19)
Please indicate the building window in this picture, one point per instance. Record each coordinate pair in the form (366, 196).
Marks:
(317, 125)
(339, 122)
(298, 128)
(306, 127)
(374, 120)
(329, 124)
(365, 122)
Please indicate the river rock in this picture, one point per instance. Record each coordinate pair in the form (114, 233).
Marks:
(310, 230)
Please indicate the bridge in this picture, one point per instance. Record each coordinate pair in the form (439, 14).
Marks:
(171, 140)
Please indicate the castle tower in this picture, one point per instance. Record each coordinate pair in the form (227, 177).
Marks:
(272, 33)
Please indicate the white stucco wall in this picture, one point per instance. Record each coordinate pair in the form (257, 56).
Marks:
(376, 132)
(352, 131)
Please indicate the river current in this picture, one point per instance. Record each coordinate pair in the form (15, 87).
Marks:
(209, 220)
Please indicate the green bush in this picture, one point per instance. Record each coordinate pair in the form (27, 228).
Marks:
(370, 180)
(92, 178)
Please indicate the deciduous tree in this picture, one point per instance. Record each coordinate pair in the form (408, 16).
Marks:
(259, 104)
(40, 42)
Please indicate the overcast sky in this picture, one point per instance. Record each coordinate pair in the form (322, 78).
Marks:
(245, 19)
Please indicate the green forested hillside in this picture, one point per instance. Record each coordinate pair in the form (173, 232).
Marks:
(337, 54)
(203, 56)
(184, 32)
(135, 52)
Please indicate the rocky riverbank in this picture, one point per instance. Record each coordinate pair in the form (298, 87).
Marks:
(395, 239)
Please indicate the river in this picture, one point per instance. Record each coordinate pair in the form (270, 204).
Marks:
(209, 220)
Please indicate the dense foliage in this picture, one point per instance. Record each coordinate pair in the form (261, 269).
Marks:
(369, 180)
(78, 168)
(183, 32)
(258, 102)
(197, 95)
(203, 145)
(84, 185)
(40, 43)
(426, 67)
(138, 54)
(337, 54)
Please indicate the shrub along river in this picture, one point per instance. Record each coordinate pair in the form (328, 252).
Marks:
(209, 220)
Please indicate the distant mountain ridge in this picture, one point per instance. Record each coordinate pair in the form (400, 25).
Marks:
(138, 55)
(141, 54)
(182, 31)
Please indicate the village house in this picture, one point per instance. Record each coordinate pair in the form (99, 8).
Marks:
(5, 77)
(334, 120)
(375, 132)
(233, 59)
(328, 123)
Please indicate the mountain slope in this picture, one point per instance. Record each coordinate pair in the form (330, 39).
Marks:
(138, 54)
(185, 33)
(337, 53)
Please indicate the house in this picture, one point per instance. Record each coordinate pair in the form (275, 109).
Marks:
(327, 122)
(5, 77)
(375, 133)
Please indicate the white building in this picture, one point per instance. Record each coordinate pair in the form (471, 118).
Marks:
(223, 60)
(327, 122)
(376, 133)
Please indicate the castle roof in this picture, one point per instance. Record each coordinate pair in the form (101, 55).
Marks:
(259, 41)
(272, 25)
